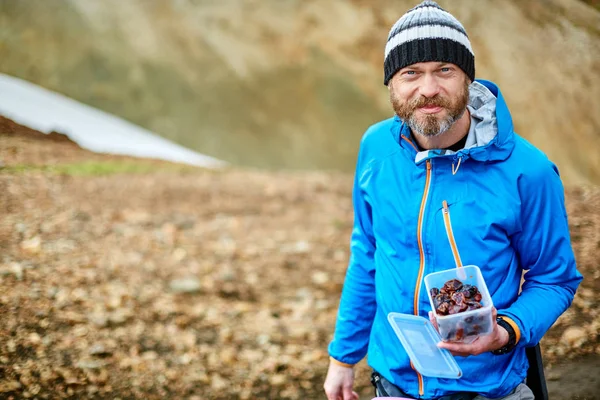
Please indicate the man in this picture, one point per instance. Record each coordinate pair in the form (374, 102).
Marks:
(447, 182)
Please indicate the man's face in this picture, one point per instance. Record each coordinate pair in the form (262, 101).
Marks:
(430, 97)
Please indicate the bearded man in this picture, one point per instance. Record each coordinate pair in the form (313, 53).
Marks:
(450, 150)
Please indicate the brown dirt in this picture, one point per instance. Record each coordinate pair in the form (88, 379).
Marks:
(93, 275)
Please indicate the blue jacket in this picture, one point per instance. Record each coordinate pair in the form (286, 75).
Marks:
(506, 203)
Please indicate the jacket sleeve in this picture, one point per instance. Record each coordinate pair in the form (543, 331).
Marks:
(357, 305)
(544, 250)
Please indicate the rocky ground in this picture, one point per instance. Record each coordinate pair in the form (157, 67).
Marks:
(164, 281)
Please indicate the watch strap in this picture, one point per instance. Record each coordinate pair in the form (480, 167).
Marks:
(512, 337)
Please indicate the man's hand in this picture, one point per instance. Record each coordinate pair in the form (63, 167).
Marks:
(483, 344)
(339, 382)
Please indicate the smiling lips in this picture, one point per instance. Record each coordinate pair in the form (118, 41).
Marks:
(430, 109)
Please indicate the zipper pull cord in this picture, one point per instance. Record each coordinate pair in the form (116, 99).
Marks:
(454, 171)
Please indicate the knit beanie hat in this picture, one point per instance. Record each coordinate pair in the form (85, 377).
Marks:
(427, 33)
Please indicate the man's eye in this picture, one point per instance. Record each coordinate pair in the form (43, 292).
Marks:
(410, 72)
(445, 69)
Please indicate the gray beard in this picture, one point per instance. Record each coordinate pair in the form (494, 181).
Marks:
(431, 127)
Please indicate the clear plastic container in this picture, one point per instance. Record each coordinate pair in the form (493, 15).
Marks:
(465, 326)
(419, 338)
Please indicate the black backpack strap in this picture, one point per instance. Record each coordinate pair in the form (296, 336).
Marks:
(376, 382)
(535, 374)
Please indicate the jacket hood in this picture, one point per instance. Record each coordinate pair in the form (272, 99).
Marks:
(491, 135)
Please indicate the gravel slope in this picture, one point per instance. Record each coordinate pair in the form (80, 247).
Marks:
(188, 283)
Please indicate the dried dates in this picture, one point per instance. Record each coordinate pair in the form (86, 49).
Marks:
(455, 297)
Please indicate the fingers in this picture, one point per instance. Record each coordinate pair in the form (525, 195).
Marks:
(332, 394)
(433, 321)
(348, 393)
(462, 349)
(332, 390)
(339, 382)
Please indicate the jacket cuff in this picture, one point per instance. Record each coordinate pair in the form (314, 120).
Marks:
(333, 360)
(514, 326)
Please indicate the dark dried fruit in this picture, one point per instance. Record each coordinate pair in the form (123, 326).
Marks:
(443, 308)
(452, 285)
(469, 290)
(441, 298)
(455, 309)
(454, 297)
(458, 297)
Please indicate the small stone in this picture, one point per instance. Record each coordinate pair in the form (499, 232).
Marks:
(32, 246)
(13, 268)
(72, 318)
(150, 355)
(217, 383)
(92, 389)
(119, 317)
(574, 336)
(21, 227)
(10, 386)
(277, 379)
(99, 350)
(300, 247)
(90, 364)
(80, 331)
(52, 292)
(320, 277)
(35, 389)
(17, 269)
(339, 255)
(553, 376)
(186, 285)
(179, 254)
(100, 320)
(101, 377)
(35, 338)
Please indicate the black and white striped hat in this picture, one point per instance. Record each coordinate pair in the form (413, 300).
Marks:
(427, 32)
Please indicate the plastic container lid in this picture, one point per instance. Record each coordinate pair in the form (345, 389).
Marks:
(420, 339)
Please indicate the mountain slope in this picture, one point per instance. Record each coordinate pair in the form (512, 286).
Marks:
(295, 84)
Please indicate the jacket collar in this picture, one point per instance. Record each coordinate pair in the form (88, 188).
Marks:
(490, 139)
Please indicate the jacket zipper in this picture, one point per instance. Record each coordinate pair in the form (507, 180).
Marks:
(411, 143)
(450, 234)
(422, 256)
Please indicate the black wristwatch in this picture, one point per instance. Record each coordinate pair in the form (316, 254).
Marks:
(512, 337)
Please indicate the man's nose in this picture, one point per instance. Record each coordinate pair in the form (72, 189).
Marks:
(429, 86)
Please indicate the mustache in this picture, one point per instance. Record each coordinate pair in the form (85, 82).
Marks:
(436, 101)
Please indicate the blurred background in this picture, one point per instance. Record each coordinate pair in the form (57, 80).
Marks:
(294, 84)
(127, 278)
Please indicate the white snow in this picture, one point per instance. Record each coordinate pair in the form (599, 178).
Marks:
(95, 130)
